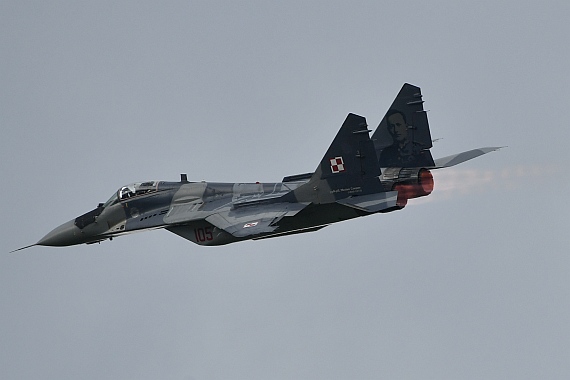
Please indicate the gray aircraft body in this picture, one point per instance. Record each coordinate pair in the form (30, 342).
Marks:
(359, 175)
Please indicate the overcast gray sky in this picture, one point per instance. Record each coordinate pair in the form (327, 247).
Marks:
(469, 283)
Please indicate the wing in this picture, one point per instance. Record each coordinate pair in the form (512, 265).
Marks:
(252, 221)
(241, 221)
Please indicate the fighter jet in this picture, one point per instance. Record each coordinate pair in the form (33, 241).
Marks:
(359, 175)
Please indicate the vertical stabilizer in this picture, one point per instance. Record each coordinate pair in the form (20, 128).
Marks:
(349, 167)
(403, 138)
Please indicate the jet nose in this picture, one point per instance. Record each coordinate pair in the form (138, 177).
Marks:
(66, 234)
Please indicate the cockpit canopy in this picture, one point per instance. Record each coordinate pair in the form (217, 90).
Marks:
(132, 190)
(136, 189)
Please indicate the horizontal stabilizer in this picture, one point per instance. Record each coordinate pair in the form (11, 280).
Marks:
(446, 162)
(371, 202)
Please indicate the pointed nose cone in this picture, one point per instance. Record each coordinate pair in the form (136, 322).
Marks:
(66, 234)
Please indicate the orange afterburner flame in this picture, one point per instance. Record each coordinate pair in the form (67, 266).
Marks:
(423, 187)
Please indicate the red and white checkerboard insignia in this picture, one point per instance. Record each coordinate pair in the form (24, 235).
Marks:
(248, 225)
(337, 165)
